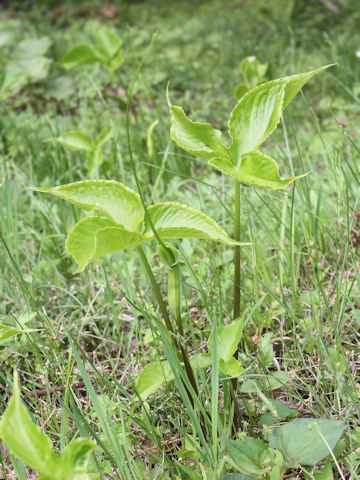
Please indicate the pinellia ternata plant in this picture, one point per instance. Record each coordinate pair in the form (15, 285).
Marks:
(79, 141)
(121, 222)
(106, 50)
(251, 122)
(253, 73)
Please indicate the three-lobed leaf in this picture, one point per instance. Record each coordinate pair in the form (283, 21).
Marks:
(119, 214)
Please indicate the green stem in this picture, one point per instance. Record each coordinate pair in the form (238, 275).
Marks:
(156, 290)
(174, 299)
(237, 296)
(165, 315)
(237, 256)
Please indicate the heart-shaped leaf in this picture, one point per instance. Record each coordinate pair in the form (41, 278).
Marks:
(23, 437)
(77, 141)
(255, 169)
(174, 220)
(103, 197)
(94, 237)
(306, 441)
(80, 55)
(250, 454)
(255, 117)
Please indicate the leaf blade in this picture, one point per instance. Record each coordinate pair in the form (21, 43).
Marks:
(103, 197)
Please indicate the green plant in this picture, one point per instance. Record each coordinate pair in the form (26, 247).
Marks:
(252, 121)
(253, 73)
(24, 439)
(79, 141)
(28, 65)
(121, 222)
(106, 51)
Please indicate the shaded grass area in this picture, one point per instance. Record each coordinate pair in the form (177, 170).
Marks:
(300, 287)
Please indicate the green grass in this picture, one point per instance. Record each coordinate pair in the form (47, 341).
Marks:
(300, 276)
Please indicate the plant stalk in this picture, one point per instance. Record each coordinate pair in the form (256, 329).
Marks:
(237, 255)
(165, 315)
(237, 296)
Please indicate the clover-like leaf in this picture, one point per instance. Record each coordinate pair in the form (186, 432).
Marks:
(255, 117)
(23, 437)
(80, 55)
(76, 140)
(175, 220)
(74, 459)
(103, 197)
(200, 139)
(94, 237)
(152, 377)
(255, 169)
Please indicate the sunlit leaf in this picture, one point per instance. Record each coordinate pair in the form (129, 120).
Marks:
(152, 377)
(23, 437)
(94, 237)
(105, 135)
(293, 83)
(255, 169)
(255, 117)
(227, 338)
(103, 197)
(74, 459)
(174, 220)
(200, 139)
(108, 42)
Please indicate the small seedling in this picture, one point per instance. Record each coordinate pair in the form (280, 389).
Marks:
(106, 50)
(80, 141)
(253, 73)
(28, 65)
